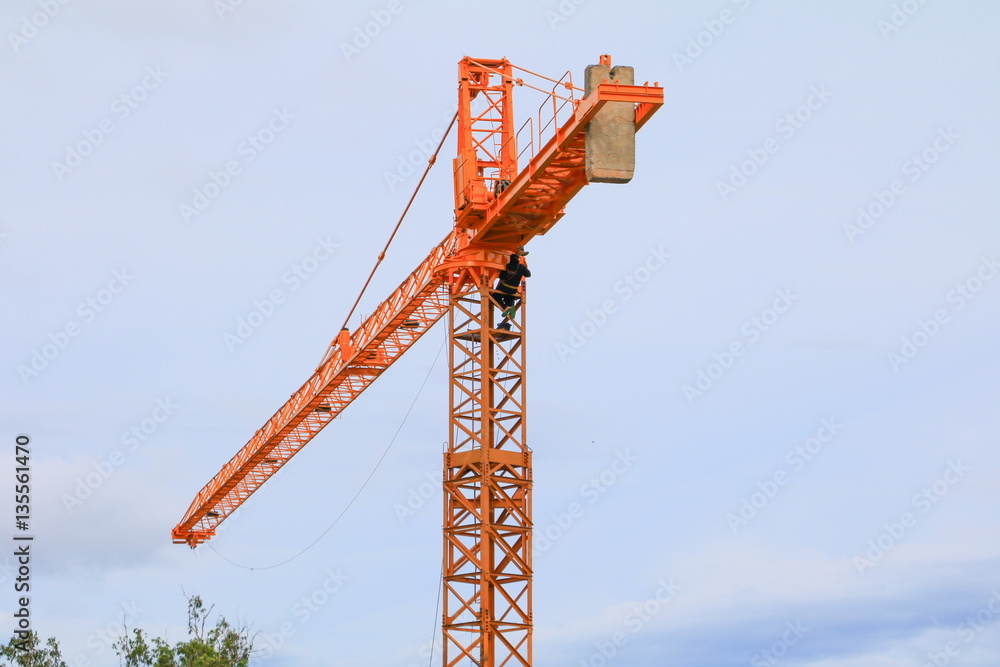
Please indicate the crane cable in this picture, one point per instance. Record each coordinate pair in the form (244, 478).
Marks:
(430, 658)
(381, 256)
(363, 485)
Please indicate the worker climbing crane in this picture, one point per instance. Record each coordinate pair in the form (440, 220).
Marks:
(510, 286)
(475, 275)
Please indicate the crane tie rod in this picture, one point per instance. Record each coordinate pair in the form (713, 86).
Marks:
(381, 256)
(568, 85)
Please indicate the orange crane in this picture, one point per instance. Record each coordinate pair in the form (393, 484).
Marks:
(573, 140)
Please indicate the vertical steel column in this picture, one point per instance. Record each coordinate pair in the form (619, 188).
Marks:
(487, 486)
(487, 154)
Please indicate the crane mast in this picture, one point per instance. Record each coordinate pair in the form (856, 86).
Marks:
(572, 141)
(486, 616)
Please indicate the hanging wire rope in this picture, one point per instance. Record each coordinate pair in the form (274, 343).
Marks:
(363, 485)
(437, 608)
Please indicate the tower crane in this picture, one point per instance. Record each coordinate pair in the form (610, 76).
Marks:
(578, 136)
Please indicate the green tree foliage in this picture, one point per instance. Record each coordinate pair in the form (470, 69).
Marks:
(29, 652)
(219, 646)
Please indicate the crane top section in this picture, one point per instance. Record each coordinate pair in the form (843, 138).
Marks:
(577, 136)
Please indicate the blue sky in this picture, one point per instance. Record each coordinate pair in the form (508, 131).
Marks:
(778, 446)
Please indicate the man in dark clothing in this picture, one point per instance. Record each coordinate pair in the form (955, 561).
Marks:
(508, 285)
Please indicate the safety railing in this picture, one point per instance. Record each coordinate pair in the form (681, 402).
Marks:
(540, 127)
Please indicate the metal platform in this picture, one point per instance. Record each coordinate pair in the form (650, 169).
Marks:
(499, 335)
